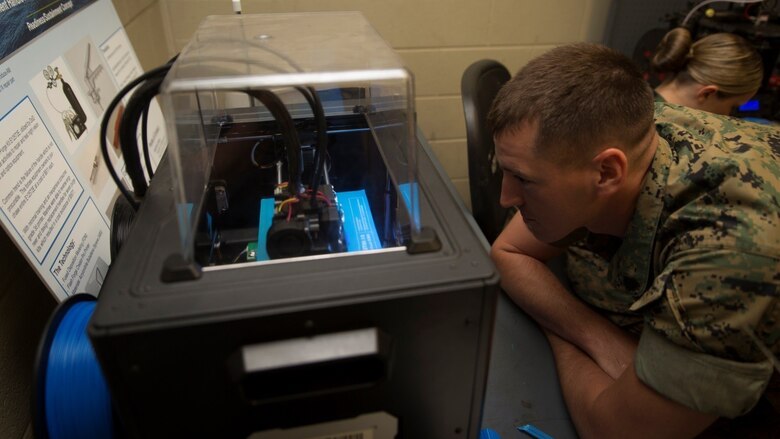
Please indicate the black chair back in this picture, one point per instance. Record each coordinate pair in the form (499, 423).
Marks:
(479, 85)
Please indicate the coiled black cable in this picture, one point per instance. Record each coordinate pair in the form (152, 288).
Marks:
(128, 130)
(157, 72)
(145, 140)
(313, 98)
(138, 107)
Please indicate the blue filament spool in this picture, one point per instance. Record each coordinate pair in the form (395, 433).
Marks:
(70, 395)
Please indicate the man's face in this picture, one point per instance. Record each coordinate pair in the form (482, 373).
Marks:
(553, 200)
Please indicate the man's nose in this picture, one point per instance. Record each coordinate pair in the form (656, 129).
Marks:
(511, 193)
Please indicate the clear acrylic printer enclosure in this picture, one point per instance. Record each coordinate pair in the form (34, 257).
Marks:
(231, 156)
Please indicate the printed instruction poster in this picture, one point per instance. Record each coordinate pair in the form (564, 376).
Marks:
(61, 64)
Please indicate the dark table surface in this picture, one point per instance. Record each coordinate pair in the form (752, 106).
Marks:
(522, 383)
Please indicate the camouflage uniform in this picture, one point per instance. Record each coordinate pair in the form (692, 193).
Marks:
(700, 262)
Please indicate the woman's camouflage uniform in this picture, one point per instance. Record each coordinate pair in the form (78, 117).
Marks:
(699, 264)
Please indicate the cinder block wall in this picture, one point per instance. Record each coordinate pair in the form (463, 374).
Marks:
(143, 22)
(437, 39)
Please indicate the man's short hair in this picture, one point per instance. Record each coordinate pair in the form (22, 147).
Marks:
(581, 96)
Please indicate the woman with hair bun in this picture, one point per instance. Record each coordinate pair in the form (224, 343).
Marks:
(717, 73)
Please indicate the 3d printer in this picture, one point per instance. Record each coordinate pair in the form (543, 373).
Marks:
(306, 266)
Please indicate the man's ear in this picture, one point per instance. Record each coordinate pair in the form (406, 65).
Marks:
(704, 92)
(611, 165)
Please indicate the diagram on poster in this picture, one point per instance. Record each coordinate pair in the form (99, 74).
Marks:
(39, 189)
(91, 73)
(63, 102)
(61, 65)
(94, 77)
(82, 262)
(89, 162)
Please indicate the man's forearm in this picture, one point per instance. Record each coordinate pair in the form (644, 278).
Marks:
(581, 379)
(606, 408)
(538, 292)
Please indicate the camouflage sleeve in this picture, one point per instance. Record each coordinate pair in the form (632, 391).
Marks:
(703, 382)
(694, 348)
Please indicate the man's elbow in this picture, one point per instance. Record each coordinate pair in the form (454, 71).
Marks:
(497, 251)
(504, 255)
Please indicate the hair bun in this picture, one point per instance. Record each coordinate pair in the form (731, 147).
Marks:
(674, 51)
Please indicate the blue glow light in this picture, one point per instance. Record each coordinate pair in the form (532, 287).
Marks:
(751, 105)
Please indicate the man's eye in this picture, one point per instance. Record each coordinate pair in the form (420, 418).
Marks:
(521, 179)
